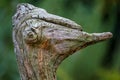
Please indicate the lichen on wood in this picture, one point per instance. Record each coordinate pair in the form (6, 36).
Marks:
(43, 40)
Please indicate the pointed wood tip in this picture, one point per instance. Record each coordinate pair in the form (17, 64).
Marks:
(103, 36)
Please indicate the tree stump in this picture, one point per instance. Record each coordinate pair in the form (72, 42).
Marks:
(43, 40)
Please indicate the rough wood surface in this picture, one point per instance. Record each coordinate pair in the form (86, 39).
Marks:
(43, 40)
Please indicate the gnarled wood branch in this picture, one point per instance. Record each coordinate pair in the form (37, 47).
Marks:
(43, 40)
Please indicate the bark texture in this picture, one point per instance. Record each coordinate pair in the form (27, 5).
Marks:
(43, 40)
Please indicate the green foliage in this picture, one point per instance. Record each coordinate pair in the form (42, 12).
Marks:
(109, 75)
(84, 64)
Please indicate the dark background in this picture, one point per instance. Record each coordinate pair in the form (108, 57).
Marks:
(97, 62)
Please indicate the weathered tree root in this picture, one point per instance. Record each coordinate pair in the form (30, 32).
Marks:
(42, 41)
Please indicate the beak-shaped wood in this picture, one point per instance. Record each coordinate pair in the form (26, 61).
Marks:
(96, 37)
(43, 40)
(89, 39)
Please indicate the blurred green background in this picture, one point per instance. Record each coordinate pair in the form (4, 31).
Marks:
(97, 62)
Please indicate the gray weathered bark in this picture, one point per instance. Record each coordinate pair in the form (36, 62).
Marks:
(42, 41)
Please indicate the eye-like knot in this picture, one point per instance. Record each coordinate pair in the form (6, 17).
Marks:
(30, 35)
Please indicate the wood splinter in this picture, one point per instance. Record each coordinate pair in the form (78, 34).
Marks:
(43, 40)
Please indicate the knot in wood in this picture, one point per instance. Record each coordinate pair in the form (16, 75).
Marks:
(30, 35)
